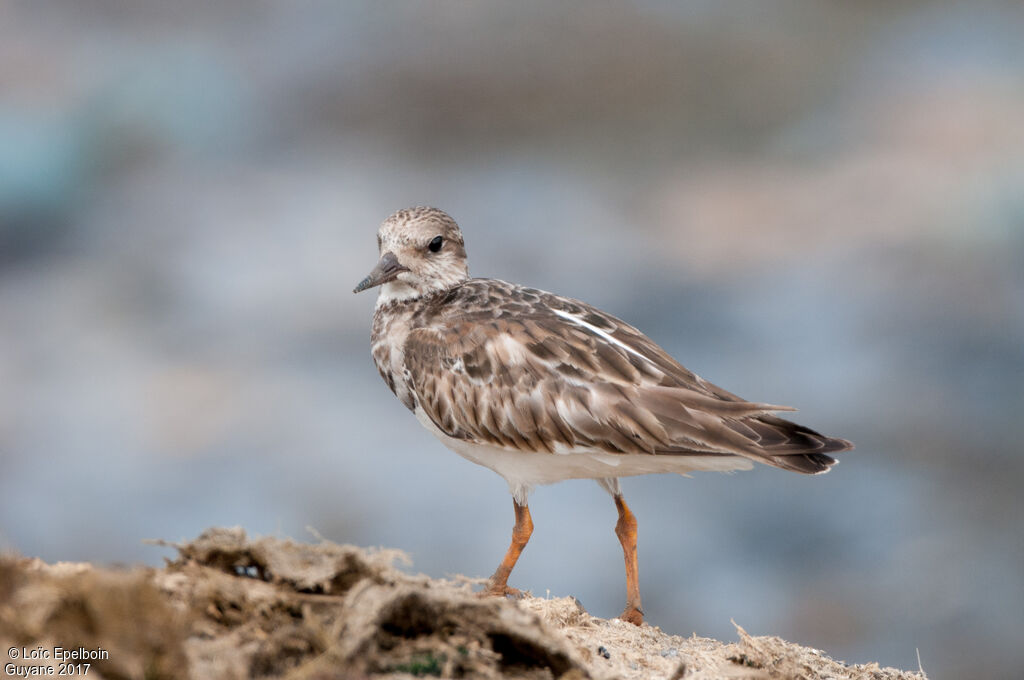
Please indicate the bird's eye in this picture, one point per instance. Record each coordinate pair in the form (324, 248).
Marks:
(436, 244)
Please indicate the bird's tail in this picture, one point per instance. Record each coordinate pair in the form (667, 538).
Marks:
(789, 446)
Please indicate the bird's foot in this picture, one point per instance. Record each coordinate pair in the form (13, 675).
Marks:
(632, 615)
(502, 590)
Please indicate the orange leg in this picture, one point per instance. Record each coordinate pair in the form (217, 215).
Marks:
(625, 529)
(520, 535)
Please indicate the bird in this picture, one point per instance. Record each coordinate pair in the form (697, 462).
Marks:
(542, 388)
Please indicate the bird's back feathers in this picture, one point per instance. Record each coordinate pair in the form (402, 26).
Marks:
(522, 369)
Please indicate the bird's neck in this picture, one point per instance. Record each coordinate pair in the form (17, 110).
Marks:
(399, 291)
(396, 291)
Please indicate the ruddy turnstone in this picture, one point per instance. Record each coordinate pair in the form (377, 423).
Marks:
(541, 388)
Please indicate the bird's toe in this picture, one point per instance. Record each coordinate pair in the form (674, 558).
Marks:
(502, 590)
(632, 615)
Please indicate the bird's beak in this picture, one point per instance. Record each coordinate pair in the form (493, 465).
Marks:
(387, 269)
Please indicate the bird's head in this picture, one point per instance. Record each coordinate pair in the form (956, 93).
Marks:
(421, 252)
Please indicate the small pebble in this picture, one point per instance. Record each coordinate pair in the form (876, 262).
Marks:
(670, 653)
(604, 652)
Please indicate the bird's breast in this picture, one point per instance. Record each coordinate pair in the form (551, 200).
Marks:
(387, 339)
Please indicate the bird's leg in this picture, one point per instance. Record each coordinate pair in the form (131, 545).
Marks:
(520, 535)
(625, 529)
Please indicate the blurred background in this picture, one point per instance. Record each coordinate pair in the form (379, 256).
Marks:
(809, 203)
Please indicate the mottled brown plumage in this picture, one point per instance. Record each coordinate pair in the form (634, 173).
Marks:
(540, 387)
(496, 363)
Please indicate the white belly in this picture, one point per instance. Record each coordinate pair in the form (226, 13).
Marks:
(525, 469)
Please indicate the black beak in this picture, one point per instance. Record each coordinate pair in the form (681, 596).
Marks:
(387, 269)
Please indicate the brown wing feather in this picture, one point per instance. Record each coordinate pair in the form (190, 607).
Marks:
(528, 370)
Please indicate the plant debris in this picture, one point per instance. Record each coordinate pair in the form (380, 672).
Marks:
(232, 607)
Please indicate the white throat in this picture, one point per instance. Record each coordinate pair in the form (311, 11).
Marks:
(395, 290)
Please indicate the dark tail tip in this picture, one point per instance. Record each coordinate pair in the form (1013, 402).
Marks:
(835, 445)
(806, 463)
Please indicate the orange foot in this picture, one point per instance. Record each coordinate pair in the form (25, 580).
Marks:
(632, 615)
(502, 590)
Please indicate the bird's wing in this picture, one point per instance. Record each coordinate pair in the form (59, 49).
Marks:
(537, 372)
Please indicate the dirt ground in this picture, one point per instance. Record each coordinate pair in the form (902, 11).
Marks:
(232, 607)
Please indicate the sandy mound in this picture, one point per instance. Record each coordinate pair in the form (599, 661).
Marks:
(234, 607)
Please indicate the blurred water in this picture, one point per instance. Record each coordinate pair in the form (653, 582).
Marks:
(815, 205)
